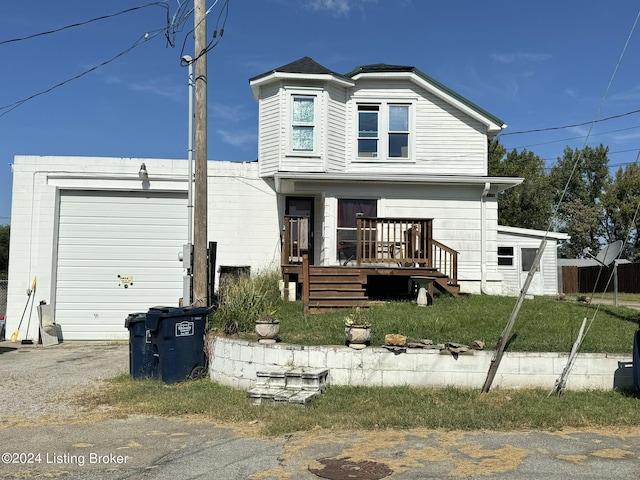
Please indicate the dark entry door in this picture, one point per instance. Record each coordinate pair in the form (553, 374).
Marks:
(302, 207)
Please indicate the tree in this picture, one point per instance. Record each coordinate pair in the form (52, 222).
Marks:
(580, 178)
(528, 205)
(4, 250)
(621, 202)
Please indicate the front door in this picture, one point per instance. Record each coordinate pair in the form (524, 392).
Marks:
(302, 207)
(527, 255)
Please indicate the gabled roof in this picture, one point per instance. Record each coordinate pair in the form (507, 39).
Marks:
(383, 68)
(306, 67)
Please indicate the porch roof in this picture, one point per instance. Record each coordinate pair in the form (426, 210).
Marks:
(491, 184)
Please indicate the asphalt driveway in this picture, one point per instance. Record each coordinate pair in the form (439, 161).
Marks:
(44, 434)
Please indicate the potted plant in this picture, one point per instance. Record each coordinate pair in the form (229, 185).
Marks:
(267, 326)
(357, 329)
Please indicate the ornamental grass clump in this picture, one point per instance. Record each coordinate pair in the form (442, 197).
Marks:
(243, 299)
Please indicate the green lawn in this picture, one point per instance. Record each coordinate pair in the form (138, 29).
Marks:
(543, 324)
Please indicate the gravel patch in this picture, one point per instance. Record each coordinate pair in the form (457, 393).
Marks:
(38, 382)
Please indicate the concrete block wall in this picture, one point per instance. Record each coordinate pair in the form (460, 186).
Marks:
(235, 362)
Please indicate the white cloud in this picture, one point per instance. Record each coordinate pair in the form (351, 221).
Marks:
(231, 113)
(520, 57)
(158, 87)
(338, 7)
(239, 138)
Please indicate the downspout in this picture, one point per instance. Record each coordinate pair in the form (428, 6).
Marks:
(483, 238)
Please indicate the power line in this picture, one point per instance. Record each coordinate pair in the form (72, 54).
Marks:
(592, 122)
(86, 22)
(573, 138)
(146, 37)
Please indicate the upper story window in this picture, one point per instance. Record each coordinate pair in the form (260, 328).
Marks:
(303, 123)
(399, 131)
(368, 130)
(384, 130)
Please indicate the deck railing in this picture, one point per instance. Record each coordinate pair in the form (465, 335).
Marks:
(400, 242)
(295, 239)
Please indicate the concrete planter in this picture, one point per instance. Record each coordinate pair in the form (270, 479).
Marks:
(267, 330)
(357, 336)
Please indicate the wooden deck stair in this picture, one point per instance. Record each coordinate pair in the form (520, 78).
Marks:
(336, 288)
(339, 287)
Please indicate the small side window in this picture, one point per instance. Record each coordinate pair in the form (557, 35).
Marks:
(505, 256)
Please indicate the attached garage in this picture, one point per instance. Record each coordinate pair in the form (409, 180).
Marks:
(116, 254)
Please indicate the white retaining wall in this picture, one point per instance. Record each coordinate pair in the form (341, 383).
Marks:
(235, 362)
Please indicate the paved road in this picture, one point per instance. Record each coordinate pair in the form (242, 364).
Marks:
(53, 443)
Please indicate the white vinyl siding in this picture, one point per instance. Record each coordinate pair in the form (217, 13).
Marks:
(104, 235)
(513, 274)
(336, 129)
(442, 139)
(269, 144)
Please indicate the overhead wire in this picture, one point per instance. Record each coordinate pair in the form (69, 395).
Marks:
(173, 25)
(560, 383)
(215, 38)
(144, 38)
(86, 22)
(574, 125)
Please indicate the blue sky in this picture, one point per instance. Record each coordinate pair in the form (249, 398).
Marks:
(535, 65)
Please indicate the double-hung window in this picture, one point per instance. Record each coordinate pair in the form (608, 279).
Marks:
(303, 118)
(368, 139)
(398, 131)
(384, 130)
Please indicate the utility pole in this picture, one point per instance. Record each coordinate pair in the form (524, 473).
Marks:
(200, 205)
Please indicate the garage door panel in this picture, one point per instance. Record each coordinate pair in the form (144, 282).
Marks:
(105, 234)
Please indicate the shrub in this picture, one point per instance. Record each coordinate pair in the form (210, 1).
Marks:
(243, 298)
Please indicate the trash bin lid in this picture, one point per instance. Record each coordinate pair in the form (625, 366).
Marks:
(134, 318)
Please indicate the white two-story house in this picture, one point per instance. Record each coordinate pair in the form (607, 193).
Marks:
(374, 177)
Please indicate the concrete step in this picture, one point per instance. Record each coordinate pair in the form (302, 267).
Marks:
(293, 385)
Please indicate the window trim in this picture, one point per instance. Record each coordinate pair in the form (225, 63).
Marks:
(506, 256)
(384, 131)
(315, 94)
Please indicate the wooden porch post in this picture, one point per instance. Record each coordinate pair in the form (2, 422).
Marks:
(305, 283)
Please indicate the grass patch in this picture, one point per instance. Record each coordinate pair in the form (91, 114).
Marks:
(543, 324)
(348, 408)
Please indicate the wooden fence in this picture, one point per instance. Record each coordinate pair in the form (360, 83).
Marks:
(596, 279)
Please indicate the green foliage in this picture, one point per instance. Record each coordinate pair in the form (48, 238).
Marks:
(244, 298)
(621, 202)
(357, 318)
(580, 179)
(5, 231)
(528, 205)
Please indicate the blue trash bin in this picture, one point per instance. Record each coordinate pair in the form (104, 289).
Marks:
(177, 342)
(141, 359)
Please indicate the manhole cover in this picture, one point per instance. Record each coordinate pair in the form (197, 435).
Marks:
(344, 468)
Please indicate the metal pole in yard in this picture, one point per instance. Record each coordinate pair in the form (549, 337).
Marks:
(495, 362)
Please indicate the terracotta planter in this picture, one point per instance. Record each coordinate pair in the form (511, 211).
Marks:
(267, 331)
(357, 336)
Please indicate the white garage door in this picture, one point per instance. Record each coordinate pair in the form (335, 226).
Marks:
(117, 254)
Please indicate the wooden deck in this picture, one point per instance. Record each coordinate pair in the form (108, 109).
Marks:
(380, 247)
